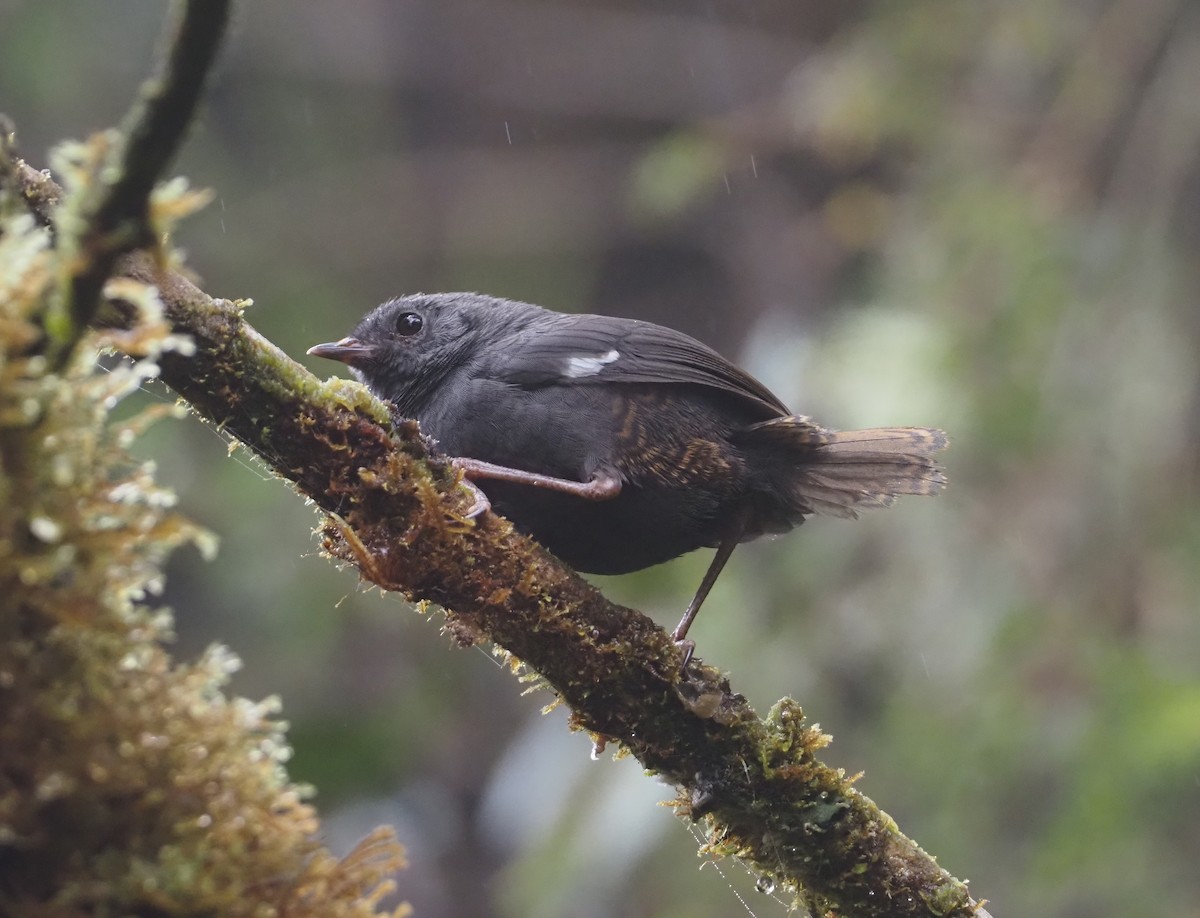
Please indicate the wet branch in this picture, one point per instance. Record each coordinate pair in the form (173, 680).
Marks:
(396, 511)
(397, 514)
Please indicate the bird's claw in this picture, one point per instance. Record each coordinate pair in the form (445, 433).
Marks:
(688, 647)
(480, 503)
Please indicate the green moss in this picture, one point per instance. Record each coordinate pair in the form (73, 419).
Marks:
(129, 783)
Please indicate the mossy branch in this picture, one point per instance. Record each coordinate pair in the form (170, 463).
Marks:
(397, 513)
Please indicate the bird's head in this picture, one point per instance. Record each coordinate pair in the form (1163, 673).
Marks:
(404, 348)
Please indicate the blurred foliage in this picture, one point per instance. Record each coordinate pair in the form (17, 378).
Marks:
(976, 215)
(129, 784)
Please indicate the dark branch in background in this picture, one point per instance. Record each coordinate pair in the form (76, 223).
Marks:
(397, 512)
(115, 215)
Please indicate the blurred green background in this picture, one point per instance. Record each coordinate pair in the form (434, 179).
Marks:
(983, 216)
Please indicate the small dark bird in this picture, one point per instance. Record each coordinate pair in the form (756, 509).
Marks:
(620, 444)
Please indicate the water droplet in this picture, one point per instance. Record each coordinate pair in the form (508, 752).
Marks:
(46, 529)
(765, 885)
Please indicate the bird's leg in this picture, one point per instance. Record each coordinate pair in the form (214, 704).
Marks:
(601, 486)
(724, 550)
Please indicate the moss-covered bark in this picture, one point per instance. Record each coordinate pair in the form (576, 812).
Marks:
(397, 514)
(399, 519)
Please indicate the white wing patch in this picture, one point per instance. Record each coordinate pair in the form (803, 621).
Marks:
(589, 365)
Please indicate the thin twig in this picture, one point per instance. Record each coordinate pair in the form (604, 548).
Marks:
(115, 215)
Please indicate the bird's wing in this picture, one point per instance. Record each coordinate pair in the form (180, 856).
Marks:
(598, 350)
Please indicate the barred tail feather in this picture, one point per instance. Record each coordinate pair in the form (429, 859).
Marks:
(836, 473)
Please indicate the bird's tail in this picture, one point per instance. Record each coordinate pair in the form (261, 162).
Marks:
(836, 473)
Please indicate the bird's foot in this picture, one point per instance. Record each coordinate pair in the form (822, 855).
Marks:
(688, 647)
(479, 501)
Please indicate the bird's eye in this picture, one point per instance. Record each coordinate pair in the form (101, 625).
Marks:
(408, 324)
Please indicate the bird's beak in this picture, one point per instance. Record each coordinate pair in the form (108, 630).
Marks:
(349, 351)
